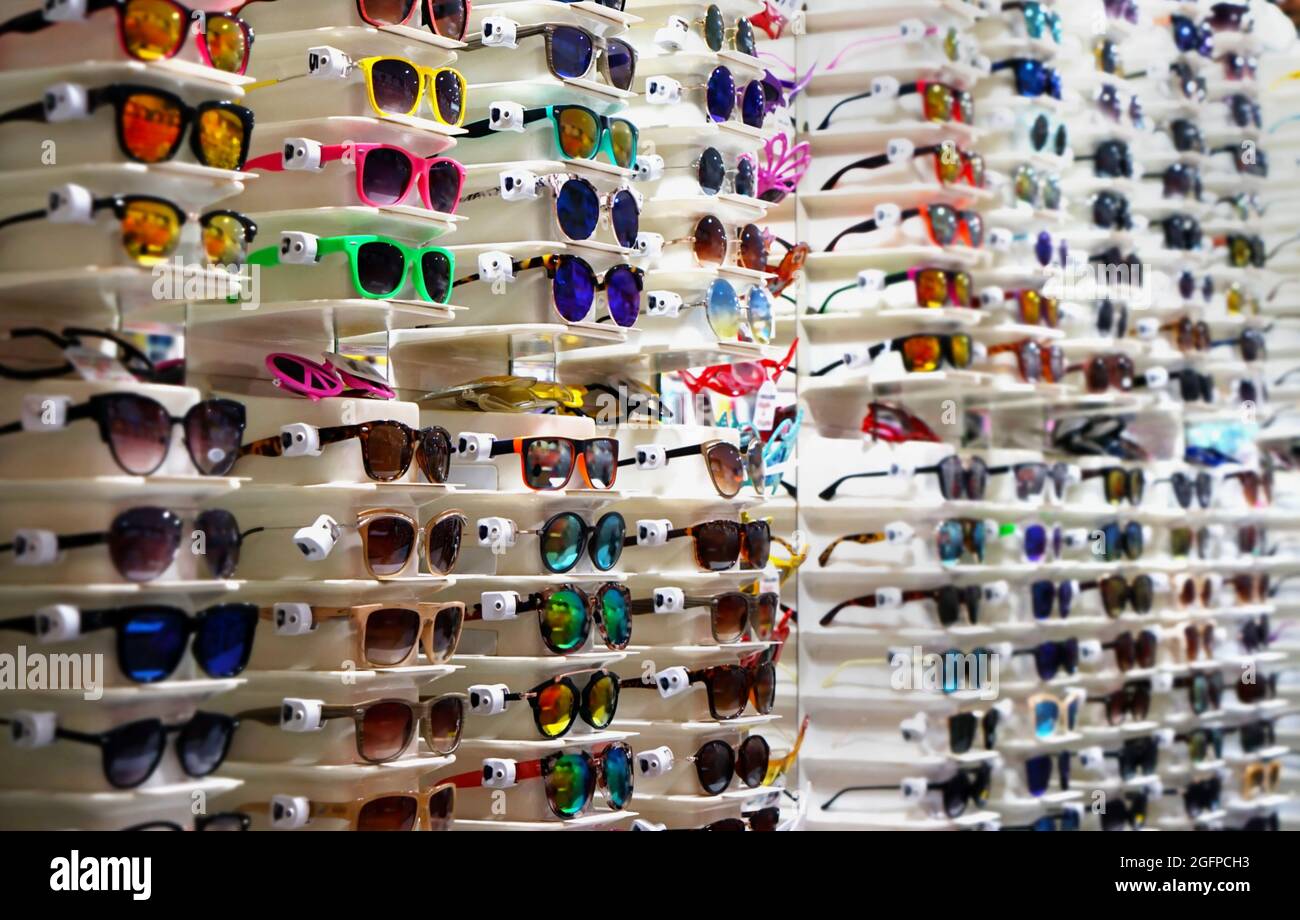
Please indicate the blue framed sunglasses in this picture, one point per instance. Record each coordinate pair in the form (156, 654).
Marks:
(1033, 78)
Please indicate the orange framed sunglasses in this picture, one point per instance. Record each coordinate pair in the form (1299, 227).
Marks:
(548, 464)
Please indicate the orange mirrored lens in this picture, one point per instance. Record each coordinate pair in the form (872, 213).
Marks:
(938, 102)
(961, 288)
(221, 138)
(931, 288)
(227, 43)
(959, 346)
(555, 709)
(224, 240)
(922, 353)
(1031, 307)
(151, 127)
(153, 29)
(578, 133)
(150, 230)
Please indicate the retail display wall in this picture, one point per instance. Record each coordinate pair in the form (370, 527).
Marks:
(648, 415)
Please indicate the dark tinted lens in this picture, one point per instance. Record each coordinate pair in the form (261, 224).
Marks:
(380, 268)
(433, 453)
(131, 752)
(622, 63)
(711, 171)
(728, 688)
(1038, 774)
(758, 543)
(444, 186)
(385, 175)
(751, 764)
(745, 177)
(222, 541)
(625, 217)
(720, 94)
(385, 12)
(730, 616)
(571, 51)
(142, 542)
(573, 288)
(138, 429)
(961, 732)
(717, 545)
(577, 208)
(449, 17)
(715, 764)
(223, 639)
(623, 291)
(389, 543)
(214, 429)
(714, 30)
(600, 455)
(448, 96)
(151, 643)
(752, 104)
(390, 813)
(710, 241)
(385, 731)
(203, 742)
(396, 86)
(745, 37)
(442, 544)
(548, 462)
(446, 631)
(753, 250)
(390, 636)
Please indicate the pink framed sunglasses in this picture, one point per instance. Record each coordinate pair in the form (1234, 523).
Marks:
(336, 377)
(386, 174)
(782, 167)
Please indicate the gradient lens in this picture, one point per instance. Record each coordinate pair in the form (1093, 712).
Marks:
(390, 813)
(386, 175)
(388, 543)
(203, 742)
(726, 468)
(131, 751)
(386, 729)
(442, 544)
(730, 616)
(710, 241)
(390, 636)
(142, 542)
(722, 309)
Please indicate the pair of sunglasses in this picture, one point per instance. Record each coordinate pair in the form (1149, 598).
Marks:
(445, 18)
(387, 448)
(386, 635)
(951, 165)
(575, 284)
(718, 36)
(717, 763)
(151, 124)
(391, 539)
(570, 778)
(572, 52)
(940, 103)
(950, 601)
(729, 687)
(386, 173)
(944, 226)
(150, 228)
(143, 542)
(151, 639)
(384, 728)
(720, 545)
(380, 267)
(138, 431)
(729, 468)
(1033, 78)
(732, 614)
(429, 810)
(131, 753)
(565, 614)
(1131, 702)
(558, 702)
(580, 132)
(1040, 189)
(397, 86)
(155, 30)
(712, 244)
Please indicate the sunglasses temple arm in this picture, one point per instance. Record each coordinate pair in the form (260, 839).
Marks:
(675, 454)
(828, 493)
(872, 162)
(868, 601)
(515, 266)
(866, 226)
(483, 127)
(826, 122)
(33, 112)
(23, 217)
(266, 715)
(833, 799)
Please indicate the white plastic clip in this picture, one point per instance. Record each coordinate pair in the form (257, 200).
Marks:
(30, 729)
(652, 532)
(518, 185)
(672, 37)
(300, 440)
(656, 762)
(497, 533)
(301, 715)
(58, 623)
(649, 245)
(317, 540)
(301, 153)
(64, 10)
(651, 457)
(884, 88)
(888, 598)
(871, 279)
(669, 600)
(293, 618)
(498, 773)
(497, 268)
(499, 32)
(1090, 651)
(672, 681)
(661, 90)
(487, 699)
(474, 446)
(649, 168)
(327, 61)
(65, 102)
(506, 116)
(898, 533)
(663, 303)
(35, 547)
(900, 149)
(888, 215)
(70, 204)
(297, 248)
(498, 605)
(289, 812)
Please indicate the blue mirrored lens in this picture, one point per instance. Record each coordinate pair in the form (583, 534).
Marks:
(1038, 773)
(570, 52)
(573, 289)
(151, 643)
(626, 218)
(224, 639)
(720, 98)
(624, 293)
(607, 541)
(752, 104)
(1046, 715)
(577, 207)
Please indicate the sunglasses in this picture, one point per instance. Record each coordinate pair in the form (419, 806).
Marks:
(387, 635)
(944, 226)
(390, 539)
(384, 728)
(580, 133)
(1202, 797)
(717, 763)
(1256, 691)
(716, 33)
(1038, 21)
(1050, 658)
(222, 821)
(564, 536)
(1054, 715)
(1034, 308)
(713, 175)
(572, 52)
(729, 687)
(1204, 743)
(1230, 17)
(895, 425)
(1117, 594)
(721, 95)
(387, 448)
(1110, 102)
(1186, 136)
(137, 430)
(1132, 702)
(953, 538)
(935, 287)
(570, 778)
(429, 810)
(317, 380)
(1137, 757)
(386, 173)
(732, 614)
(1110, 211)
(1260, 778)
(729, 469)
(1035, 362)
(1117, 541)
(1244, 251)
(762, 819)
(951, 165)
(1046, 132)
(1188, 486)
(397, 86)
(1198, 642)
(575, 284)
(1035, 188)
(565, 614)
(445, 18)
(1119, 483)
(1044, 597)
(1111, 160)
(1256, 635)
(143, 542)
(1204, 691)
(1033, 78)
(380, 266)
(963, 726)
(151, 639)
(558, 702)
(1191, 37)
(1112, 319)
(155, 30)
(131, 753)
(1256, 487)
(129, 358)
(1130, 652)
(733, 320)
(720, 545)
(579, 207)
(1181, 232)
(939, 102)
(548, 464)
(1181, 181)
(1104, 372)
(150, 227)
(1038, 772)
(950, 600)
(151, 123)
(712, 244)
(924, 354)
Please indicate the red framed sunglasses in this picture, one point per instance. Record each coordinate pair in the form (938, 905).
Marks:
(445, 18)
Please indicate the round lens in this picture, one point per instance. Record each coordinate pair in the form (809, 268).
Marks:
(625, 216)
(745, 37)
(761, 320)
(753, 104)
(710, 241)
(564, 620)
(570, 783)
(715, 764)
(555, 706)
(573, 289)
(600, 700)
(720, 94)
(561, 541)
(607, 541)
(577, 208)
(753, 248)
(722, 309)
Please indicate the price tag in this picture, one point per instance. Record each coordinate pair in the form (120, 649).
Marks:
(765, 406)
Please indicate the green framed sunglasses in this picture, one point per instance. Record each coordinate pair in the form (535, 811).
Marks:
(580, 132)
(380, 265)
